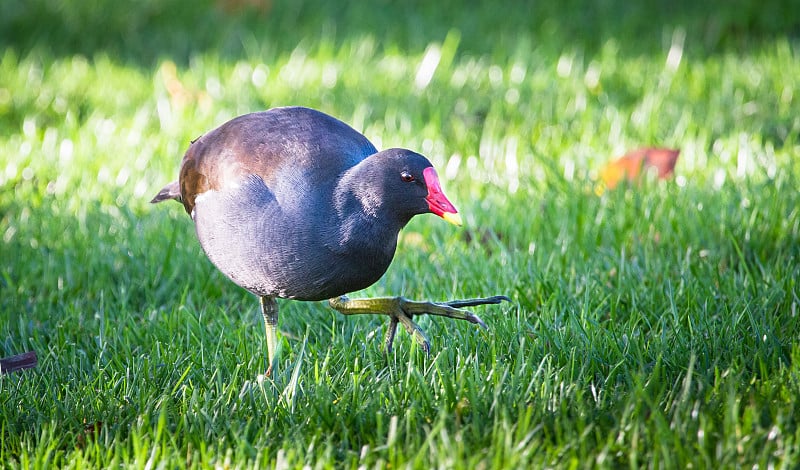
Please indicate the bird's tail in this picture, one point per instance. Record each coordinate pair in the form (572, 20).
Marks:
(170, 191)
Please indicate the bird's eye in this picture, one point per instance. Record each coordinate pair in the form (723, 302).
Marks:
(407, 177)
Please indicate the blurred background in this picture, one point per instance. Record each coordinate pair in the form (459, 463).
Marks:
(144, 32)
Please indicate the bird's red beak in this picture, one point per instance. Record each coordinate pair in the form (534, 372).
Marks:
(437, 201)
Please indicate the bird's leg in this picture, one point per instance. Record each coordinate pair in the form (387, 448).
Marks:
(401, 310)
(269, 308)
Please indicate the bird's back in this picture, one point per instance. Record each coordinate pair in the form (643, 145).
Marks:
(283, 146)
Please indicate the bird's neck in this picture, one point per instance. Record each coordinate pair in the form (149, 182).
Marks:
(362, 222)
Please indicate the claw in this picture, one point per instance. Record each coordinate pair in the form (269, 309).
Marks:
(479, 322)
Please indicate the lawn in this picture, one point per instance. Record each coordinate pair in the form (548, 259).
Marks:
(652, 325)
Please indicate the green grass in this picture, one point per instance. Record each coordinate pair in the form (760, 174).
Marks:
(652, 326)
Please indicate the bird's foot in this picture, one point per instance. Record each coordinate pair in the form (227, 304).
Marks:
(401, 311)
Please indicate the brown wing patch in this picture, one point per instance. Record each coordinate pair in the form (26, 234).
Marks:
(192, 182)
(210, 163)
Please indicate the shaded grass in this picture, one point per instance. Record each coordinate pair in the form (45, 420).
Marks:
(653, 325)
(144, 32)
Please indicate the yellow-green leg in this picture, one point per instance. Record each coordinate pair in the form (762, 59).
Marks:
(269, 308)
(401, 310)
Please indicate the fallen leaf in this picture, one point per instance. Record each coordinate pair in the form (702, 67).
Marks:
(631, 165)
(181, 96)
(90, 432)
(22, 361)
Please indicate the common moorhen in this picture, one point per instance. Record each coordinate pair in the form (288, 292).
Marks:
(296, 204)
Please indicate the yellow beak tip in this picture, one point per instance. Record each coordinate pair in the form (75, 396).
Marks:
(453, 217)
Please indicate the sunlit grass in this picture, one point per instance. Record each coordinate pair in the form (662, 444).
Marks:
(653, 325)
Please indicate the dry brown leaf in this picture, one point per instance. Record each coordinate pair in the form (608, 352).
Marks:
(22, 361)
(180, 96)
(631, 165)
(89, 433)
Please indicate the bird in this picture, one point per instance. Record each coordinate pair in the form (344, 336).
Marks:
(293, 203)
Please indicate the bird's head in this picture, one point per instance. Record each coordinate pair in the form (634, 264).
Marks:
(404, 184)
